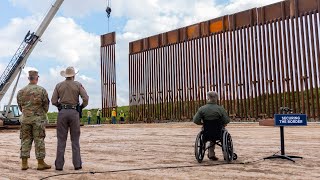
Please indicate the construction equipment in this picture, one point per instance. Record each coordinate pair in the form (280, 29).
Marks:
(18, 62)
(12, 117)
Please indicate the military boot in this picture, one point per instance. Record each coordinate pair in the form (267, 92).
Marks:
(24, 165)
(42, 165)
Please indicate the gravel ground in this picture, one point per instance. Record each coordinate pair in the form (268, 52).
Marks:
(154, 151)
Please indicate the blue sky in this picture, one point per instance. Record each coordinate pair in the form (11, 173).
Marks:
(73, 37)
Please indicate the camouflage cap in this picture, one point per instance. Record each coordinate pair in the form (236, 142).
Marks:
(33, 73)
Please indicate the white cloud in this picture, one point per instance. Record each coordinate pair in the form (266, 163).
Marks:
(55, 72)
(241, 5)
(146, 18)
(74, 8)
(2, 67)
(144, 8)
(34, 6)
(27, 69)
(70, 44)
(12, 35)
(88, 80)
(64, 43)
(22, 82)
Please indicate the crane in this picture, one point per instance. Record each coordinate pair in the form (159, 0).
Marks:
(19, 60)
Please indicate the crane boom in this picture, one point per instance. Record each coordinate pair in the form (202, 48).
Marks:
(19, 59)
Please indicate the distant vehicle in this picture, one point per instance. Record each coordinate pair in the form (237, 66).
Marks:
(12, 117)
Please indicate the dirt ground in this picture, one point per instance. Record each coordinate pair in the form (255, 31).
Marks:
(119, 151)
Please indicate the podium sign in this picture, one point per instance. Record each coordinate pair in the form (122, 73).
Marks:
(290, 120)
(282, 120)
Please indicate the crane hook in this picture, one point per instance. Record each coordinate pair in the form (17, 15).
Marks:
(108, 10)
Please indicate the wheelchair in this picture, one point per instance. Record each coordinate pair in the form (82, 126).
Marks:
(215, 132)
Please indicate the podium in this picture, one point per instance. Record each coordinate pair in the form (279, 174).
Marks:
(283, 120)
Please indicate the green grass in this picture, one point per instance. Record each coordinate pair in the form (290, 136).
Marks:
(52, 116)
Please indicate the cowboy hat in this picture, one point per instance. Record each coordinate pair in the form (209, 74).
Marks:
(69, 72)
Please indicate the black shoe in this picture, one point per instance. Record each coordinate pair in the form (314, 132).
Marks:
(78, 168)
(213, 158)
(57, 169)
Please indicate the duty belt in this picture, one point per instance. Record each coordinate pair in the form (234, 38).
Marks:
(69, 106)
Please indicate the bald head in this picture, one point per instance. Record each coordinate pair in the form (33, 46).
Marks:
(212, 97)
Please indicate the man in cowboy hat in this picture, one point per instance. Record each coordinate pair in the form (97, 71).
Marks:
(33, 102)
(66, 98)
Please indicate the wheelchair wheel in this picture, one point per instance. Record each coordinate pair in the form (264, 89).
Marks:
(199, 147)
(227, 147)
(235, 156)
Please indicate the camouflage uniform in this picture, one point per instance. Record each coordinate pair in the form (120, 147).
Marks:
(33, 102)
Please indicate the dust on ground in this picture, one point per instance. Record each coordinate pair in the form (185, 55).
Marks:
(119, 151)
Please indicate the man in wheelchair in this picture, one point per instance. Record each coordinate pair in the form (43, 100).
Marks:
(214, 118)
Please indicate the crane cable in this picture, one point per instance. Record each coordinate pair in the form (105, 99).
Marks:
(108, 10)
(152, 168)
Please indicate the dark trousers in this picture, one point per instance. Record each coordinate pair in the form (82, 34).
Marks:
(114, 120)
(98, 120)
(68, 118)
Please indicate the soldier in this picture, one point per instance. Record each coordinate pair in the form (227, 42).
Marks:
(66, 98)
(211, 112)
(33, 102)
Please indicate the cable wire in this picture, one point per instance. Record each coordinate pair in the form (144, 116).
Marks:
(147, 169)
